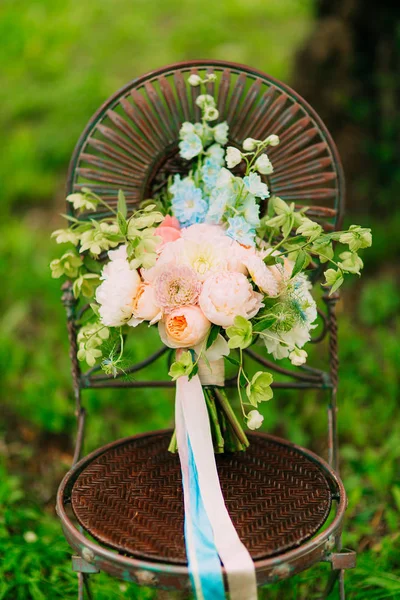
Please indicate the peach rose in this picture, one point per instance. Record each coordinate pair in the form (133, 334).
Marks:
(169, 231)
(144, 306)
(184, 327)
(226, 295)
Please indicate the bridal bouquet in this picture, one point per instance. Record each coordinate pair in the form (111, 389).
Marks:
(214, 261)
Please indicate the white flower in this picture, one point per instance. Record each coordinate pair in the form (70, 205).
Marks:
(298, 357)
(226, 295)
(250, 144)
(186, 128)
(254, 419)
(116, 293)
(260, 273)
(210, 113)
(194, 80)
(221, 133)
(205, 100)
(233, 157)
(264, 165)
(272, 140)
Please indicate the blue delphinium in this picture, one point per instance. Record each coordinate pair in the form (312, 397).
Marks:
(188, 204)
(190, 146)
(250, 210)
(241, 231)
(219, 201)
(209, 173)
(255, 186)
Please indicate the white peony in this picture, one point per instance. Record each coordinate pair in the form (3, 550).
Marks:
(119, 287)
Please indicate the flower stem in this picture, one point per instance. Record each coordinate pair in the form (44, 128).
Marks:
(230, 415)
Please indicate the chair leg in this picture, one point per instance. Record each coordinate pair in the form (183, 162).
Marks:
(80, 586)
(336, 575)
(84, 586)
(341, 585)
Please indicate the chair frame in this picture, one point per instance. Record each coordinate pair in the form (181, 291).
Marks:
(326, 546)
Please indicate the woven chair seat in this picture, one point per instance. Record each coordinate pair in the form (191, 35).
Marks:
(129, 497)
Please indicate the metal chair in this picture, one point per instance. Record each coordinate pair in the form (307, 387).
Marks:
(126, 499)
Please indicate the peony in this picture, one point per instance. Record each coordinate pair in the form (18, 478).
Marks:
(116, 293)
(168, 231)
(144, 306)
(262, 276)
(177, 285)
(184, 327)
(226, 295)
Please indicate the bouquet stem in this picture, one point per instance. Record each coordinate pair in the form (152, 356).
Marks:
(227, 433)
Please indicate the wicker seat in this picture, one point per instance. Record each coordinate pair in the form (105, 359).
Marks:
(128, 496)
(121, 507)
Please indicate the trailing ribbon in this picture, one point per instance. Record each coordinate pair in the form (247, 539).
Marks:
(209, 531)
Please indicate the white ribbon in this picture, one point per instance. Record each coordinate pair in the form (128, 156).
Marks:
(192, 420)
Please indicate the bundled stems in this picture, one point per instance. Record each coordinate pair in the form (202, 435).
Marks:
(226, 431)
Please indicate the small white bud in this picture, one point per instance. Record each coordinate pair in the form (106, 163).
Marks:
(254, 419)
(211, 113)
(272, 140)
(194, 80)
(298, 357)
(264, 165)
(233, 157)
(249, 144)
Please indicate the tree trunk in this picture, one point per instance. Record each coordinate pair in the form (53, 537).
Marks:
(349, 71)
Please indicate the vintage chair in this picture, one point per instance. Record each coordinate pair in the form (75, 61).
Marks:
(126, 499)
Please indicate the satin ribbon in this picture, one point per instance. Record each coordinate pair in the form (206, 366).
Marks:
(208, 527)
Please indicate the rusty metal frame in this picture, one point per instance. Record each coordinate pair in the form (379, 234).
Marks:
(325, 546)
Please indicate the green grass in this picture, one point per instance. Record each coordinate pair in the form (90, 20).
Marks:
(60, 60)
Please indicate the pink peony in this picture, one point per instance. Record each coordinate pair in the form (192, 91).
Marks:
(226, 295)
(177, 285)
(184, 327)
(144, 306)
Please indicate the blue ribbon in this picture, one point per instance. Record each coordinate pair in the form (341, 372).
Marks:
(205, 566)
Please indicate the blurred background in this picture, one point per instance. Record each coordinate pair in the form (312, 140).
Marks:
(59, 62)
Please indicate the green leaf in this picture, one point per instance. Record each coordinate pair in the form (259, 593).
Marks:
(212, 336)
(300, 262)
(265, 323)
(122, 223)
(121, 206)
(232, 360)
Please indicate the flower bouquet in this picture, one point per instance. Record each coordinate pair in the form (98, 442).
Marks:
(214, 262)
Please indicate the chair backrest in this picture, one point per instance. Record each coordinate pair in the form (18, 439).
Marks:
(131, 143)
